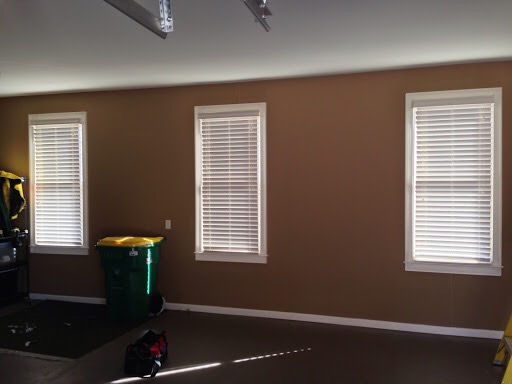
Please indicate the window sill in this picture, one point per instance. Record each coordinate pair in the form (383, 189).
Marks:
(232, 257)
(454, 268)
(53, 250)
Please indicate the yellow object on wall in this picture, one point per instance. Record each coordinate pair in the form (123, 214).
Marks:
(12, 193)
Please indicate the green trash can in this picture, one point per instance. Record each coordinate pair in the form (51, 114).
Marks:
(130, 274)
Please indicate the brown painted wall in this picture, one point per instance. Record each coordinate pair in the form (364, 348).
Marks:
(335, 196)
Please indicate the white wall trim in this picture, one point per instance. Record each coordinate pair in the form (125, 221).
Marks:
(352, 322)
(74, 299)
(347, 321)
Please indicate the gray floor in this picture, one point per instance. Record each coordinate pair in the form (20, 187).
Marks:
(205, 348)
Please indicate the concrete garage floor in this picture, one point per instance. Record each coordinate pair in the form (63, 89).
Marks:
(206, 348)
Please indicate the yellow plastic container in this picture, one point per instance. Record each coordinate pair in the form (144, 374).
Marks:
(129, 241)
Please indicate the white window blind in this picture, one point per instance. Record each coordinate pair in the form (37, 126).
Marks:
(230, 199)
(453, 192)
(57, 177)
(453, 183)
(230, 184)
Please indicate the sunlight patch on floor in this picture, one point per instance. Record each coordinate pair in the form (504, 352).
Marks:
(168, 372)
(271, 355)
(174, 371)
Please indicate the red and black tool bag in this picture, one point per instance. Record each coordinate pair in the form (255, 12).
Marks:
(146, 355)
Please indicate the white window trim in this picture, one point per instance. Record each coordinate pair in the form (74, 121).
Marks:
(237, 257)
(445, 98)
(48, 118)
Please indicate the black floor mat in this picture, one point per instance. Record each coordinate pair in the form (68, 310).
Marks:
(59, 328)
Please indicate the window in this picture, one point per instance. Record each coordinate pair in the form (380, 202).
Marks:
(58, 183)
(453, 182)
(230, 183)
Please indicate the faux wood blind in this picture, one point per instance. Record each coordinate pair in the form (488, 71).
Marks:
(230, 197)
(453, 194)
(58, 184)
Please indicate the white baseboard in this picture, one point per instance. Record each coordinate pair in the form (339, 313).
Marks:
(74, 299)
(347, 321)
(352, 322)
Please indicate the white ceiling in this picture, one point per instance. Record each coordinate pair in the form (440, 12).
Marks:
(49, 46)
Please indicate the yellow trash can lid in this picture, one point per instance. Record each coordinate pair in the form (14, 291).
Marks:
(129, 241)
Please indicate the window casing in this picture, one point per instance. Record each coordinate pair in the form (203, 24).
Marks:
(58, 183)
(453, 182)
(230, 183)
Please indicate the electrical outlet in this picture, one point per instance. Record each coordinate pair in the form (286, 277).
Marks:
(167, 224)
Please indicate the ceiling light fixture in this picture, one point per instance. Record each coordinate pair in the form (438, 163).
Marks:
(260, 10)
(160, 25)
